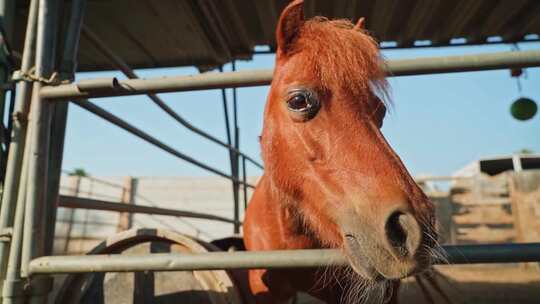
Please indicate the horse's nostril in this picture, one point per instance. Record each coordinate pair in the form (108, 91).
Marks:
(403, 233)
(397, 236)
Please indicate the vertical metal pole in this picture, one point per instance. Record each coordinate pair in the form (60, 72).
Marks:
(236, 228)
(236, 185)
(9, 118)
(235, 160)
(34, 232)
(226, 114)
(16, 151)
(36, 209)
(244, 179)
(13, 287)
(7, 15)
(68, 67)
(7, 18)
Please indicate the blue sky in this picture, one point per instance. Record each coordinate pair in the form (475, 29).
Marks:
(439, 122)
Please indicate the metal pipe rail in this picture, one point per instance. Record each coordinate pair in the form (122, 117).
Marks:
(85, 104)
(86, 203)
(121, 65)
(464, 254)
(431, 65)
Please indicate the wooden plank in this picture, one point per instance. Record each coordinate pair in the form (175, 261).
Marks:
(74, 185)
(125, 220)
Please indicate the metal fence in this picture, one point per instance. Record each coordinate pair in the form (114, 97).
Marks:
(463, 254)
(43, 89)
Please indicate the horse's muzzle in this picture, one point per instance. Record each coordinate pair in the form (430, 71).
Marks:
(393, 251)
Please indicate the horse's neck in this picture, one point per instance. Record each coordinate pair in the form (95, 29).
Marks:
(286, 215)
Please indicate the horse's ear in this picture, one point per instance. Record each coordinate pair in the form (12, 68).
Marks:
(360, 24)
(289, 24)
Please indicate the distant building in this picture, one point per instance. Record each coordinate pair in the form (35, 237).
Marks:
(496, 200)
(498, 164)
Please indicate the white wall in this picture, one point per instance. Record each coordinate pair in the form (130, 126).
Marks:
(212, 195)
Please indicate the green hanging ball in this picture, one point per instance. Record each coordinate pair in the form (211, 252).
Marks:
(523, 108)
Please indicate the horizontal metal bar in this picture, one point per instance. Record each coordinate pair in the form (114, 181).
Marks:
(421, 179)
(464, 63)
(86, 203)
(85, 104)
(398, 46)
(467, 254)
(206, 81)
(121, 65)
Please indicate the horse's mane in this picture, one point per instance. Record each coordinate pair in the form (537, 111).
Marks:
(341, 54)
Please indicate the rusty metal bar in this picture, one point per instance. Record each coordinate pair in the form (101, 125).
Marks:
(85, 104)
(463, 254)
(92, 204)
(207, 81)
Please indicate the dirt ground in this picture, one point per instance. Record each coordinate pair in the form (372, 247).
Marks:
(474, 284)
(481, 284)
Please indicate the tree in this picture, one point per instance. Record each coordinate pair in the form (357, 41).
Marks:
(525, 151)
(78, 172)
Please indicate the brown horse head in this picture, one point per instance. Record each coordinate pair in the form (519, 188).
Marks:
(326, 156)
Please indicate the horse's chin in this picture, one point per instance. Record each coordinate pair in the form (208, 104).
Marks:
(379, 268)
(358, 261)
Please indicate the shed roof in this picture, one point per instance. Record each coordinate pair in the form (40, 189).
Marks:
(209, 33)
(497, 164)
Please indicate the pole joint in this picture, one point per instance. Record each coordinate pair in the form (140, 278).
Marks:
(5, 234)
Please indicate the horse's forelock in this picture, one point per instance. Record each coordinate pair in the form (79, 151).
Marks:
(343, 55)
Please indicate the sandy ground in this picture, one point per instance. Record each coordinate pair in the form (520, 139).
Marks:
(474, 284)
(481, 284)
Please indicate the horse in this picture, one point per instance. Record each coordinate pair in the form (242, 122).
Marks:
(331, 180)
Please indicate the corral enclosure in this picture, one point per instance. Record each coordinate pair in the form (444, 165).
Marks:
(480, 209)
(40, 68)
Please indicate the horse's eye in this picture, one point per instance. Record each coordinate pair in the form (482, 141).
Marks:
(303, 105)
(298, 102)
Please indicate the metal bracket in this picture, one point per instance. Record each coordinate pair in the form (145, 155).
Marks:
(40, 285)
(30, 76)
(20, 117)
